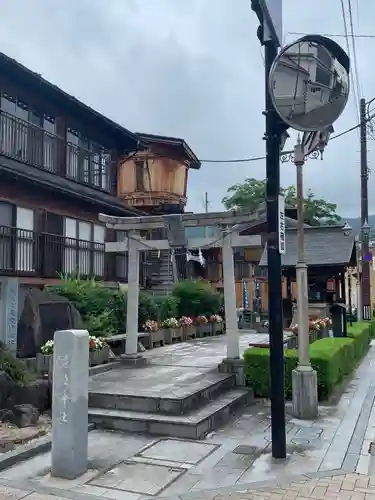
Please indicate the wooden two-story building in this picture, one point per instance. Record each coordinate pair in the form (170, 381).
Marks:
(58, 169)
(62, 163)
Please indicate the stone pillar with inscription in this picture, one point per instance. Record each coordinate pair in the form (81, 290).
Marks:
(9, 312)
(70, 403)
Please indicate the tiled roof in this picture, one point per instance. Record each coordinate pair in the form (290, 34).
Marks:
(324, 246)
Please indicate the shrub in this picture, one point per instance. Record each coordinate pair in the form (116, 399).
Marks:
(89, 296)
(332, 358)
(147, 308)
(15, 368)
(102, 324)
(372, 325)
(167, 307)
(196, 299)
(118, 306)
(95, 302)
(103, 309)
(360, 333)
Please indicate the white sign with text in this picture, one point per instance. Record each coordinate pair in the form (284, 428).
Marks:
(282, 244)
(273, 15)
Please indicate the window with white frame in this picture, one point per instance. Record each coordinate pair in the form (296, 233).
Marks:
(72, 166)
(99, 239)
(84, 237)
(121, 259)
(27, 134)
(84, 248)
(87, 161)
(25, 240)
(6, 232)
(70, 252)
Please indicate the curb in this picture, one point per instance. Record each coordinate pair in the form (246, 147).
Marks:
(207, 494)
(43, 445)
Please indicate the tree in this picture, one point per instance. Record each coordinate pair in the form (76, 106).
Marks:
(251, 193)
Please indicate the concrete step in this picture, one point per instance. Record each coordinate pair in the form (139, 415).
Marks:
(169, 284)
(199, 392)
(195, 425)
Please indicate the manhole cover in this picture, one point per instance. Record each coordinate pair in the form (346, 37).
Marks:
(179, 451)
(142, 479)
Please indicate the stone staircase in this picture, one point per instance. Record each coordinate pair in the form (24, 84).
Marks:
(161, 272)
(205, 402)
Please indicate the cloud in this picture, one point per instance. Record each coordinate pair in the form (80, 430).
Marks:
(191, 68)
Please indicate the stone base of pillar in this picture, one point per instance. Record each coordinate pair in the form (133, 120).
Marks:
(235, 366)
(305, 393)
(133, 360)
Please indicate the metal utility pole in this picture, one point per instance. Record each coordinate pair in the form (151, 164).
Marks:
(365, 275)
(269, 34)
(206, 207)
(206, 202)
(275, 313)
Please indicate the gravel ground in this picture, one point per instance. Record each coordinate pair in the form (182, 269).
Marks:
(12, 436)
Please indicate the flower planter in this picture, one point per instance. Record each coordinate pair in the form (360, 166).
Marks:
(44, 364)
(189, 332)
(99, 357)
(313, 336)
(203, 330)
(217, 328)
(174, 335)
(324, 332)
(158, 338)
(292, 342)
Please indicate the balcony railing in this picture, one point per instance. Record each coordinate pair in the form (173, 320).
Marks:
(27, 253)
(27, 143)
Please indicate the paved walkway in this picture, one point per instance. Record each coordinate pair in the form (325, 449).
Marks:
(340, 487)
(234, 461)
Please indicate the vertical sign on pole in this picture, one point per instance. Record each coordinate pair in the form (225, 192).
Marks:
(281, 224)
(273, 13)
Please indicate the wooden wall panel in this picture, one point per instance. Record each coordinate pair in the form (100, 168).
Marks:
(166, 175)
(253, 254)
(250, 286)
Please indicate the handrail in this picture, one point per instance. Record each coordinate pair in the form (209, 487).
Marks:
(31, 144)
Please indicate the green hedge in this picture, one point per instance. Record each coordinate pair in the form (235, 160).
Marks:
(372, 326)
(332, 358)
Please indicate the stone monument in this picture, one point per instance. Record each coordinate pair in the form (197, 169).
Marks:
(9, 313)
(70, 403)
(42, 315)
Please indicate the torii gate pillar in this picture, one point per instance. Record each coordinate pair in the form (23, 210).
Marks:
(233, 339)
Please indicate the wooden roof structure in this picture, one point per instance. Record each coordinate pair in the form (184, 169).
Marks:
(325, 246)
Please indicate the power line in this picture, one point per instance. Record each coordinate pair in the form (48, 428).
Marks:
(338, 35)
(355, 95)
(354, 49)
(257, 158)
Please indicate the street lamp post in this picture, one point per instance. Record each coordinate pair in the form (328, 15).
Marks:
(365, 275)
(350, 270)
(358, 291)
(304, 378)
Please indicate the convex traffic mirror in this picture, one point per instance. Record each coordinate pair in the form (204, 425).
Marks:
(309, 83)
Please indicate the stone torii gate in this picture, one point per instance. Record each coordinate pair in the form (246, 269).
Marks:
(229, 238)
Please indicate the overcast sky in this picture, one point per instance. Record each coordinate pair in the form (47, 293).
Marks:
(193, 69)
